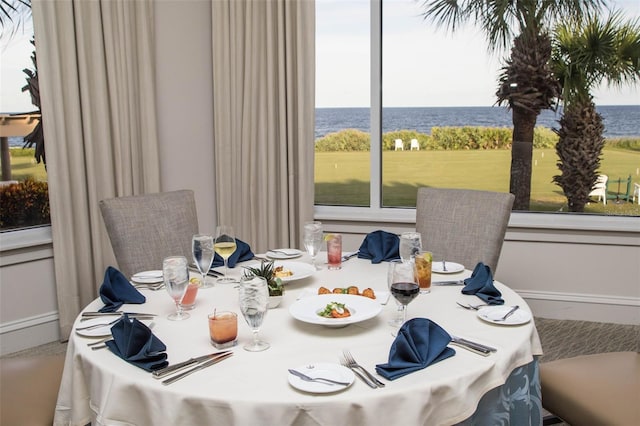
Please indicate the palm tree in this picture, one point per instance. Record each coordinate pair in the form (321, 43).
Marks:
(584, 54)
(12, 13)
(527, 84)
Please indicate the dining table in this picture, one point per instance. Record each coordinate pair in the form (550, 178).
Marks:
(255, 388)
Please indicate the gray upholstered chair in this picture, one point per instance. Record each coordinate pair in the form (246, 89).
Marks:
(29, 389)
(600, 389)
(144, 229)
(463, 226)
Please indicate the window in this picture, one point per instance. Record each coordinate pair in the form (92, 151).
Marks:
(388, 88)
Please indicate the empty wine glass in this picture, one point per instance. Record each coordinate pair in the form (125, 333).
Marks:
(176, 279)
(254, 295)
(225, 245)
(410, 245)
(313, 240)
(404, 286)
(203, 254)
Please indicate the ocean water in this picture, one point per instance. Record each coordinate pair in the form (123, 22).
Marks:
(619, 121)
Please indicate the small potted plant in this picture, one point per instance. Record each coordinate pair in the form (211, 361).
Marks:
(276, 288)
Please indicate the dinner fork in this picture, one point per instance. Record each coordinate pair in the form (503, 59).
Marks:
(102, 324)
(472, 307)
(362, 377)
(353, 364)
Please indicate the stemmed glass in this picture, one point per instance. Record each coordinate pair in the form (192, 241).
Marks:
(313, 240)
(225, 245)
(203, 254)
(404, 286)
(254, 295)
(396, 321)
(176, 280)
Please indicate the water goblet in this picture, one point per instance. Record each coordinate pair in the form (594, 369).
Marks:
(176, 279)
(254, 295)
(410, 245)
(404, 286)
(313, 240)
(203, 254)
(225, 245)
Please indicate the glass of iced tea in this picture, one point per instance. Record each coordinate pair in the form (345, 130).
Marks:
(223, 329)
(334, 251)
(189, 299)
(423, 260)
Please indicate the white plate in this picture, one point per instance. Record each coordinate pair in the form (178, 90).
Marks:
(98, 331)
(284, 253)
(382, 297)
(300, 269)
(147, 277)
(328, 371)
(361, 308)
(492, 314)
(452, 267)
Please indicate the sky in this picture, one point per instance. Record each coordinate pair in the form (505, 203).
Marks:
(422, 66)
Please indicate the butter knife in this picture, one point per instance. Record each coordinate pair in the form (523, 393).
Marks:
(479, 348)
(163, 372)
(196, 368)
(452, 282)
(102, 314)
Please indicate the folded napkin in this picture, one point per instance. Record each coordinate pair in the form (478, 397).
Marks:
(117, 290)
(420, 343)
(481, 284)
(379, 246)
(135, 343)
(242, 253)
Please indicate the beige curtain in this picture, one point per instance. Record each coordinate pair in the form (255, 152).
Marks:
(264, 115)
(96, 75)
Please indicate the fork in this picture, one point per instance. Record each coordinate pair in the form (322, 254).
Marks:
(102, 324)
(508, 314)
(369, 383)
(353, 364)
(472, 307)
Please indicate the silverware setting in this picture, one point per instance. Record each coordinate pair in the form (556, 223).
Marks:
(158, 374)
(349, 256)
(198, 367)
(92, 315)
(326, 381)
(476, 347)
(451, 282)
(471, 307)
(349, 362)
(444, 266)
(508, 314)
(149, 286)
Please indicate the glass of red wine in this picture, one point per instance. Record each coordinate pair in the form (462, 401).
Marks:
(403, 285)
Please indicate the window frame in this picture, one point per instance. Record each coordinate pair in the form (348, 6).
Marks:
(375, 212)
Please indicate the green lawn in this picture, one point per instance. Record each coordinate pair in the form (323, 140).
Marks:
(23, 165)
(342, 178)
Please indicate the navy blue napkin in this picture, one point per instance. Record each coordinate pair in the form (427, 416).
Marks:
(379, 246)
(117, 290)
(242, 253)
(135, 343)
(481, 284)
(420, 343)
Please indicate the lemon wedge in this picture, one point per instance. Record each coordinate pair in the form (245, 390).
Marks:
(328, 237)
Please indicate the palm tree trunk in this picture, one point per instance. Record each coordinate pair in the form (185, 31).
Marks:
(524, 122)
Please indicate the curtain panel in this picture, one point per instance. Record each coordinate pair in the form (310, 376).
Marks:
(264, 118)
(96, 75)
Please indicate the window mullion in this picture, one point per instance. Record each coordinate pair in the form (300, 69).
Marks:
(375, 149)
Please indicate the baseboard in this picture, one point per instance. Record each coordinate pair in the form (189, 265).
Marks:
(29, 332)
(583, 307)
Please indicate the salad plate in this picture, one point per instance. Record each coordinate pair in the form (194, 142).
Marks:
(147, 277)
(452, 267)
(493, 314)
(283, 253)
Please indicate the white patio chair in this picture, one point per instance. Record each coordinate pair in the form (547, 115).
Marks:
(399, 145)
(600, 189)
(636, 192)
(415, 144)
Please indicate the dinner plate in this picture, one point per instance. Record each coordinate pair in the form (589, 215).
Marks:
(284, 253)
(361, 308)
(300, 269)
(98, 331)
(147, 277)
(493, 314)
(326, 370)
(382, 296)
(452, 267)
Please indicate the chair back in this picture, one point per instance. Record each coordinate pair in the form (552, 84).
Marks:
(144, 229)
(463, 226)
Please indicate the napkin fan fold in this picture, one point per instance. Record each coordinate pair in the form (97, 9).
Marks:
(481, 284)
(135, 343)
(116, 290)
(380, 246)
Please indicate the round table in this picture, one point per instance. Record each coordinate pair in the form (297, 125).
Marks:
(252, 388)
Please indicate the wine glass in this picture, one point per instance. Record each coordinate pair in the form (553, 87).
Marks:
(410, 245)
(313, 240)
(225, 245)
(254, 295)
(404, 286)
(176, 279)
(203, 254)
(396, 321)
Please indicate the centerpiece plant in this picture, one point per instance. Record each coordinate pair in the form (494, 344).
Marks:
(267, 271)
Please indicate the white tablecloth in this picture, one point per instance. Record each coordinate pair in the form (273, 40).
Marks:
(252, 388)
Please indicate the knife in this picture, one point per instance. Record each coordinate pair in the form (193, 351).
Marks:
(196, 368)
(210, 272)
(453, 282)
(474, 346)
(131, 314)
(158, 374)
